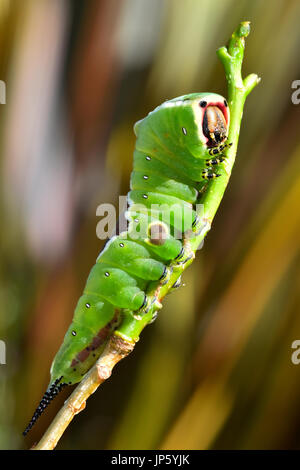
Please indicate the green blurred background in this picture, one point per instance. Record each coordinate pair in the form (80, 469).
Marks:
(214, 371)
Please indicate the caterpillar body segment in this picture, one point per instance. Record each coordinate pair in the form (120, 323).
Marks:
(134, 258)
(175, 145)
(156, 183)
(154, 234)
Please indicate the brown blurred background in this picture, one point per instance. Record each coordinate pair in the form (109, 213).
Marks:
(214, 371)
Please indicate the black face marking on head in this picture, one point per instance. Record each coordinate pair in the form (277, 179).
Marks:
(203, 104)
(184, 130)
(214, 126)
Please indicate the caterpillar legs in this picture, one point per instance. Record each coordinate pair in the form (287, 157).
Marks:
(166, 275)
(207, 175)
(177, 284)
(184, 256)
(219, 148)
(215, 160)
(149, 302)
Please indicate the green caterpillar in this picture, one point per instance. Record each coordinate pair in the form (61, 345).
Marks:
(177, 148)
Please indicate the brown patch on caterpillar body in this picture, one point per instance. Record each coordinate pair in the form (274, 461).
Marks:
(97, 341)
(158, 233)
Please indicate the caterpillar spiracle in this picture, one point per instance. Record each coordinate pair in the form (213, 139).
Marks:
(178, 148)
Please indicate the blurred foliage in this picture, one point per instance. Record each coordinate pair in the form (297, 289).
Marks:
(215, 369)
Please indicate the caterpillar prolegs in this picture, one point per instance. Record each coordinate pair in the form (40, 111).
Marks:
(178, 148)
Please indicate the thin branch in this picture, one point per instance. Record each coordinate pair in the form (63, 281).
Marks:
(115, 350)
(123, 340)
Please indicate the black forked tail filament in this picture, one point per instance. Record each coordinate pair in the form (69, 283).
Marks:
(50, 394)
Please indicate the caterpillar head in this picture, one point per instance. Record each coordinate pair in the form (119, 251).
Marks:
(212, 117)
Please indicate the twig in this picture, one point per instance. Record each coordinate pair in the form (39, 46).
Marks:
(123, 340)
(115, 350)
